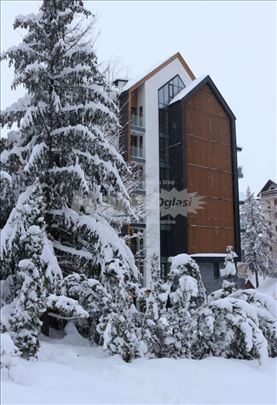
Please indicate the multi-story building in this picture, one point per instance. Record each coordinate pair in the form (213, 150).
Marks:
(268, 200)
(181, 133)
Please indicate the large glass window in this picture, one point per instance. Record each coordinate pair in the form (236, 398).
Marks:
(169, 91)
(165, 95)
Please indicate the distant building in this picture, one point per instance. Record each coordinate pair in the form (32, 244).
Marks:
(268, 201)
(181, 133)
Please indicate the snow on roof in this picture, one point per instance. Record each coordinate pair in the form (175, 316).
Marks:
(140, 77)
(187, 89)
(208, 255)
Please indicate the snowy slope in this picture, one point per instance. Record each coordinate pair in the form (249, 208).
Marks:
(69, 371)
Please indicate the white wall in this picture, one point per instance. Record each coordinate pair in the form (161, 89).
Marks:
(152, 165)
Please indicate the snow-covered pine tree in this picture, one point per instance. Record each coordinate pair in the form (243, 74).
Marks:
(117, 328)
(228, 287)
(229, 269)
(229, 327)
(265, 308)
(64, 121)
(186, 294)
(28, 289)
(110, 305)
(168, 326)
(255, 240)
(10, 162)
(156, 333)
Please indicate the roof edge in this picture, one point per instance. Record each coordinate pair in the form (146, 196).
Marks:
(266, 185)
(178, 56)
(207, 80)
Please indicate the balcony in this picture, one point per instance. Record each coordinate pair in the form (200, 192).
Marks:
(240, 172)
(137, 152)
(269, 193)
(137, 121)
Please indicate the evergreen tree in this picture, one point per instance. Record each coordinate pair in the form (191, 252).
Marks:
(255, 240)
(168, 327)
(186, 294)
(265, 308)
(229, 269)
(229, 327)
(64, 122)
(156, 333)
(29, 286)
(117, 327)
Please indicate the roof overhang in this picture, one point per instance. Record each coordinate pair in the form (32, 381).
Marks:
(198, 84)
(132, 85)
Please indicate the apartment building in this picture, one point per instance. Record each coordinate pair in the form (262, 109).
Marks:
(180, 132)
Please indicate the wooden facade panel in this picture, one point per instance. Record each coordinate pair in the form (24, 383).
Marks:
(209, 173)
(210, 182)
(203, 152)
(215, 213)
(197, 123)
(205, 240)
(220, 130)
(205, 101)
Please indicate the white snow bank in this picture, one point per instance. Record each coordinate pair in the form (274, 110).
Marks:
(268, 286)
(180, 260)
(70, 371)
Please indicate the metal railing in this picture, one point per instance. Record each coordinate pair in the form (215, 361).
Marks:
(137, 121)
(137, 152)
(269, 193)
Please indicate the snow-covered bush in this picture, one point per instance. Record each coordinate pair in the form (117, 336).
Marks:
(229, 327)
(168, 326)
(229, 269)
(265, 308)
(228, 287)
(186, 287)
(65, 307)
(117, 327)
(8, 352)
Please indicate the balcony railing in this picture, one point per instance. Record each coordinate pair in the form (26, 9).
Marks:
(240, 172)
(137, 121)
(269, 193)
(137, 152)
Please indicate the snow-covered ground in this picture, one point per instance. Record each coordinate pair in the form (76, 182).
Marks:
(268, 286)
(70, 371)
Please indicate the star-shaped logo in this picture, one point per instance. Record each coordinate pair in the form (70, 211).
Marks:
(174, 202)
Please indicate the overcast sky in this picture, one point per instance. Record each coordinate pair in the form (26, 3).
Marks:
(233, 42)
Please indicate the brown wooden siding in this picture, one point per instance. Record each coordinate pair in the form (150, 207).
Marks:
(209, 173)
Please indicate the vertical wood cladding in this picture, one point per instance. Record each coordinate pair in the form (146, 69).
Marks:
(209, 173)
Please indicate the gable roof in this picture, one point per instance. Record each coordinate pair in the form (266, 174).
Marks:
(268, 184)
(196, 85)
(138, 81)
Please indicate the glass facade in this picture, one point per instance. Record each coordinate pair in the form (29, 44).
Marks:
(165, 95)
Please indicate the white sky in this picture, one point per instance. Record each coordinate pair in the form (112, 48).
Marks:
(233, 42)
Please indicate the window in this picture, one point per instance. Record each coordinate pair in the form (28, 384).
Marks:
(137, 146)
(163, 149)
(216, 271)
